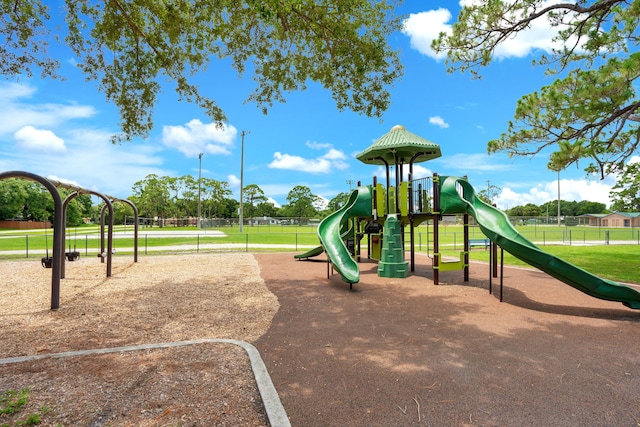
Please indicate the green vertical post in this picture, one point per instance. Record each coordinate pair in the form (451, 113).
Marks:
(392, 263)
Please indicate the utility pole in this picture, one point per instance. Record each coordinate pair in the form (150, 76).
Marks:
(558, 197)
(199, 188)
(242, 134)
(489, 191)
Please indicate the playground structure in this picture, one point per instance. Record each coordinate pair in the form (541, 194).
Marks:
(381, 214)
(57, 261)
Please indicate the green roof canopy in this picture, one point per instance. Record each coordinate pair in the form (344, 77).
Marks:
(404, 144)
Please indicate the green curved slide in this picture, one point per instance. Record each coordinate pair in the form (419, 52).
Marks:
(310, 253)
(358, 205)
(458, 196)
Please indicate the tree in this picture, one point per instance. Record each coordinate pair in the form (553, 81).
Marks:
(337, 202)
(128, 47)
(589, 113)
(491, 192)
(39, 204)
(229, 208)
(301, 201)
(267, 209)
(215, 192)
(587, 207)
(175, 185)
(252, 196)
(189, 200)
(625, 195)
(151, 196)
(13, 194)
(527, 210)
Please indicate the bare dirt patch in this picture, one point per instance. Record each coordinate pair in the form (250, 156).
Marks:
(159, 299)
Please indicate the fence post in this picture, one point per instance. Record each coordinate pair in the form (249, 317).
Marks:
(27, 244)
(86, 245)
(606, 237)
(246, 242)
(197, 243)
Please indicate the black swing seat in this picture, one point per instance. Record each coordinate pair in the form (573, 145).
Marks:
(72, 256)
(47, 262)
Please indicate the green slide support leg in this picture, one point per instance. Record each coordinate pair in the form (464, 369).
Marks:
(458, 196)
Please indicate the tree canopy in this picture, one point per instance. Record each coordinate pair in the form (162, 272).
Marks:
(129, 47)
(301, 201)
(592, 110)
(625, 195)
(567, 208)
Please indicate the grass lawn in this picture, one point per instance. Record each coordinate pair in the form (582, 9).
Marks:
(615, 262)
(619, 263)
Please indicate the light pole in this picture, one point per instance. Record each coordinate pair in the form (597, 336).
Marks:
(558, 197)
(199, 188)
(350, 182)
(242, 174)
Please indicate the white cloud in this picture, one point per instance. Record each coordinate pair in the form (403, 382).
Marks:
(318, 145)
(92, 161)
(332, 159)
(65, 181)
(538, 36)
(438, 121)
(273, 202)
(289, 162)
(196, 137)
(321, 203)
(423, 27)
(234, 181)
(10, 91)
(418, 173)
(42, 141)
(421, 172)
(16, 114)
(570, 190)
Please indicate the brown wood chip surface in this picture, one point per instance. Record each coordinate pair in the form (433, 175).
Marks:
(159, 299)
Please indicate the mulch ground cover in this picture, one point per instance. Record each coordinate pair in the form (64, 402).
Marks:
(396, 352)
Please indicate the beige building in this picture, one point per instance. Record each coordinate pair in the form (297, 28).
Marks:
(615, 219)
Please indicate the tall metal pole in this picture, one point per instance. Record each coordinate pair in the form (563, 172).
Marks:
(558, 198)
(199, 188)
(242, 174)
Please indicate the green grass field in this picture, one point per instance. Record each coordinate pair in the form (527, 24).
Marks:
(615, 262)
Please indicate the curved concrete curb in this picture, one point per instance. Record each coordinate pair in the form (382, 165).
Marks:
(275, 411)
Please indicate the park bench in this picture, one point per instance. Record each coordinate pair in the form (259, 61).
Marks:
(478, 243)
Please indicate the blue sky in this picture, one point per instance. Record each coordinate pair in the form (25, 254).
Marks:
(61, 129)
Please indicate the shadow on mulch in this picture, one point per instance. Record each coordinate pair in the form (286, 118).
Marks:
(406, 352)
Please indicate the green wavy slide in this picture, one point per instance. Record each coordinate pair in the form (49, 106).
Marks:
(310, 253)
(333, 229)
(458, 196)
